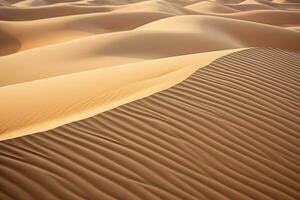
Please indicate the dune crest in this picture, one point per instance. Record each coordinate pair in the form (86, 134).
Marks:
(97, 92)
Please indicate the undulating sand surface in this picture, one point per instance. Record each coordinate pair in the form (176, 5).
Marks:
(149, 99)
(229, 131)
(62, 61)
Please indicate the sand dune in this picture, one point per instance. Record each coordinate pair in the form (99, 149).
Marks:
(267, 17)
(149, 99)
(97, 92)
(38, 33)
(209, 6)
(32, 13)
(153, 40)
(226, 32)
(229, 131)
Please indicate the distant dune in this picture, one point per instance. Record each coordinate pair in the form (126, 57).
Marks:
(149, 99)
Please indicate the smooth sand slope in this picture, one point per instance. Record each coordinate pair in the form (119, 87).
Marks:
(229, 131)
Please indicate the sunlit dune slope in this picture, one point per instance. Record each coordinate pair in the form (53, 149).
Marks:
(62, 99)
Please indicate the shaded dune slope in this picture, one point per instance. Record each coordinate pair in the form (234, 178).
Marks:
(12, 13)
(44, 32)
(229, 131)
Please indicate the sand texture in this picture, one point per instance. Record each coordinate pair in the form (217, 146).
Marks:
(229, 131)
(150, 99)
(66, 60)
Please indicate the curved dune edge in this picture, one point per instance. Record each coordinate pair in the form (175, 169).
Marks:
(58, 100)
(229, 131)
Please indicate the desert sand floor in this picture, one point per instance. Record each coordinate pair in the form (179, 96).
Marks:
(229, 131)
(149, 99)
